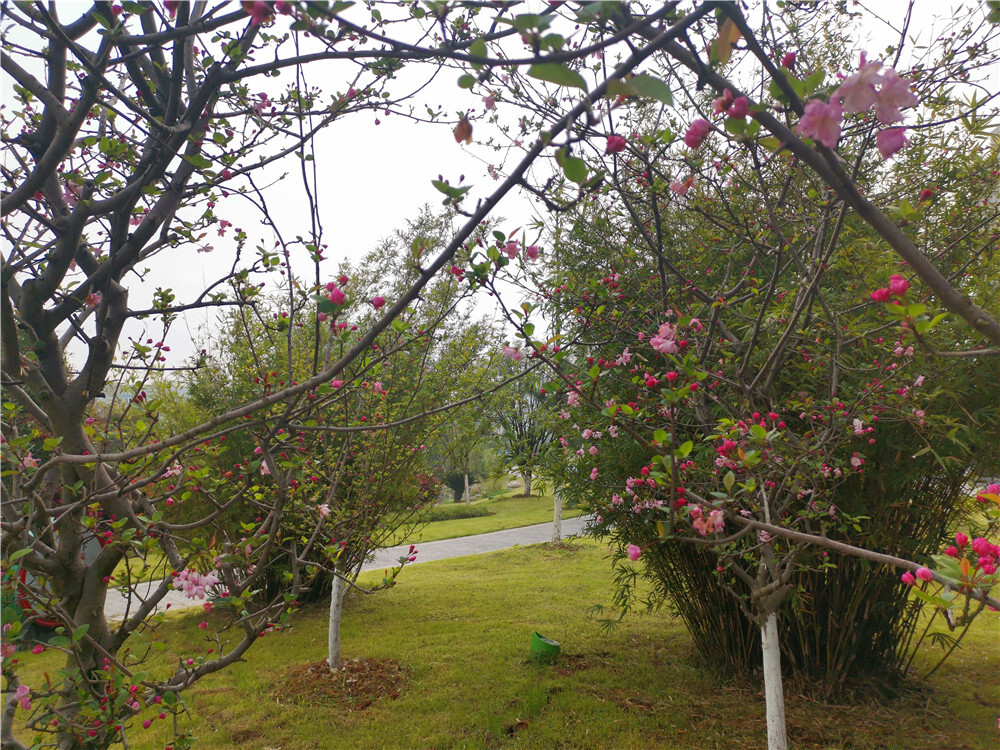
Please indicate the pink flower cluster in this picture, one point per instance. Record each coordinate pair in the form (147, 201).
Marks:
(511, 353)
(194, 584)
(898, 287)
(991, 489)
(714, 523)
(665, 340)
(821, 120)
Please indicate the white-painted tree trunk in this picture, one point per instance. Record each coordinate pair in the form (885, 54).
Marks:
(467, 497)
(527, 484)
(557, 518)
(774, 696)
(333, 634)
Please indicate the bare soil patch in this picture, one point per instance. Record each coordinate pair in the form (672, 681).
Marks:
(358, 684)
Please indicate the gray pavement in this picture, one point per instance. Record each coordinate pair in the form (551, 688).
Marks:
(116, 605)
(475, 545)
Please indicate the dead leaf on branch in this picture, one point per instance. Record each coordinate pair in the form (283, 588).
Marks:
(463, 131)
(721, 49)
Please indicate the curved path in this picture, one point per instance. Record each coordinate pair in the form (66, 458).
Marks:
(115, 606)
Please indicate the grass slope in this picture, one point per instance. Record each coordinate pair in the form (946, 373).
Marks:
(461, 629)
(506, 512)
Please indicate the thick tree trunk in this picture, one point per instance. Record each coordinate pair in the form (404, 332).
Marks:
(333, 658)
(557, 518)
(468, 498)
(774, 696)
(527, 484)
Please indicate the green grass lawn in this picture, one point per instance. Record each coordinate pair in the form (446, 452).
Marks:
(461, 628)
(506, 512)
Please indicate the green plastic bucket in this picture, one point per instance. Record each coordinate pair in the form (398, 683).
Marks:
(543, 650)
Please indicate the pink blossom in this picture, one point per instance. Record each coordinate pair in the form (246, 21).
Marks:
(821, 122)
(324, 510)
(378, 302)
(23, 696)
(284, 7)
(881, 295)
(893, 94)
(265, 470)
(337, 295)
(511, 353)
(490, 101)
(919, 381)
(39, 648)
(512, 249)
(924, 574)
(531, 252)
(982, 547)
(722, 103)
(890, 141)
(593, 474)
(29, 462)
(858, 92)
(788, 60)
(259, 11)
(716, 520)
(573, 398)
(92, 300)
(898, 285)
(908, 578)
(592, 450)
(697, 132)
(739, 108)
(682, 188)
(615, 144)
(991, 489)
(172, 6)
(634, 552)
(961, 539)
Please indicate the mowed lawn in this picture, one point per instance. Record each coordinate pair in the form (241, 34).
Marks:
(460, 630)
(504, 512)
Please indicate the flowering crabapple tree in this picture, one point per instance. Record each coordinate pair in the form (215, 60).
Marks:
(140, 132)
(364, 446)
(750, 379)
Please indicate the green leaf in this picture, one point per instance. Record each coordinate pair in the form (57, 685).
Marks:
(661, 437)
(729, 480)
(814, 81)
(467, 81)
(574, 168)
(736, 126)
(198, 161)
(19, 554)
(773, 145)
(652, 88)
(618, 87)
(478, 49)
(558, 74)
(80, 632)
(684, 449)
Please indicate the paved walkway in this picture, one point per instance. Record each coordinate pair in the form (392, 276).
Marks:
(475, 545)
(384, 558)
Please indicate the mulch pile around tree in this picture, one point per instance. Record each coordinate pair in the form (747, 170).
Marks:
(358, 684)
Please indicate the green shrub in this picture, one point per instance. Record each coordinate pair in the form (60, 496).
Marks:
(453, 512)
